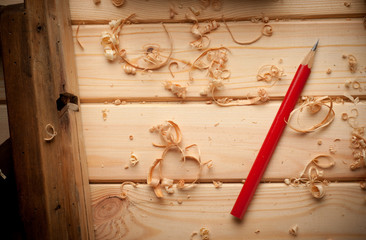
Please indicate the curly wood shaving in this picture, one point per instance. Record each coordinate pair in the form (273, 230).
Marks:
(209, 164)
(176, 89)
(171, 136)
(123, 192)
(204, 233)
(199, 31)
(118, 3)
(356, 85)
(151, 57)
(293, 230)
(314, 105)
(362, 185)
(51, 132)
(77, 38)
(133, 159)
(170, 67)
(321, 161)
(269, 73)
(129, 69)
(217, 184)
(226, 102)
(266, 31)
(352, 63)
(201, 43)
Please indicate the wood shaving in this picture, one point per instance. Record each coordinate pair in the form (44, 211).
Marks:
(332, 149)
(269, 73)
(77, 38)
(287, 181)
(344, 116)
(347, 83)
(170, 67)
(152, 56)
(129, 69)
(172, 12)
(118, 3)
(363, 185)
(123, 192)
(117, 102)
(133, 159)
(176, 89)
(293, 230)
(171, 137)
(131, 137)
(204, 233)
(126, 167)
(329, 71)
(217, 184)
(179, 201)
(200, 31)
(201, 43)
(266, 31)
(51, 132)
(347, 4)
(352, 63)
(312, 180)
(193, 234)
(2, 175)
(257, 231)
(320, 142)
(261, 98)
(194, 10)
(356, 85)
(314, 105)
(104, 114)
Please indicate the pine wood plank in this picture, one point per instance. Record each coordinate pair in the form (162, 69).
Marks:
(101, 80)
(39, 65)
(232, 144)
(157, 11)
(4, 127)
(339, 215)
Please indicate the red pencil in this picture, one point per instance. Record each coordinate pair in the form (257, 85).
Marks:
(273, 136)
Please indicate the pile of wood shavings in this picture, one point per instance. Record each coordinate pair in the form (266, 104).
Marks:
(171, 137)
(200, 32)
(176, 89)
(357, 140)
(293, 230)
(352, 62)
(269, 73)
(314, 105)
(151, 57)
(312, 180)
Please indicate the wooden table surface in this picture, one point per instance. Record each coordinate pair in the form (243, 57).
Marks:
(232, 136)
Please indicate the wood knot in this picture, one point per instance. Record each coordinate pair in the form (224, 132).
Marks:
(108, 209)
(39, 27)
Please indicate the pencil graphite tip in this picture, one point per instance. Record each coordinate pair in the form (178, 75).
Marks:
(315, 46)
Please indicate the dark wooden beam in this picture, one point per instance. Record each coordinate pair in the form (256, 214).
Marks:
(39, 67)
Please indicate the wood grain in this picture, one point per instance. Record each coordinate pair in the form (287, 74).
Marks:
(4, 126)
(101, 80)
(2, 85)
(158, 11)
(339, 215)
(232, 144)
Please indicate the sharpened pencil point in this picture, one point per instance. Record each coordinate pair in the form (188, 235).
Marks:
(315, 46)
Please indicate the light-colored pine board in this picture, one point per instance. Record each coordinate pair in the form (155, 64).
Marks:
(232, 144)
(101, 80)
(275, 208)
(4, 127)
(157, 11)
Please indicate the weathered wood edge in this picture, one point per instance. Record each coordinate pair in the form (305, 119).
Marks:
(51, 176)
